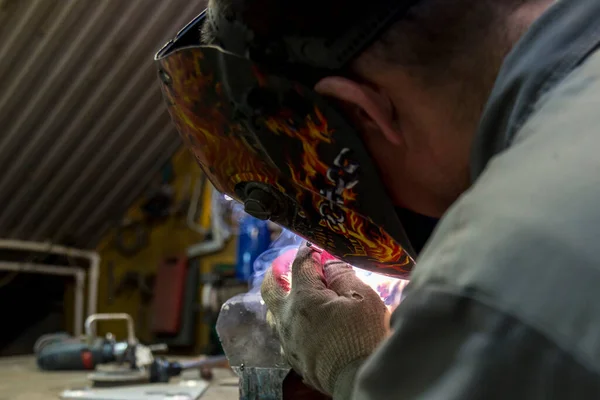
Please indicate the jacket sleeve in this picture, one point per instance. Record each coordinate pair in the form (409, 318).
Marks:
(450, 347)
(503, 303)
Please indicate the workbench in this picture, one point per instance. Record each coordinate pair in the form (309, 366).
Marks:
(20, 379)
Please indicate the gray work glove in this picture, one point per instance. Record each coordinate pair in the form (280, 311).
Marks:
(329, 322)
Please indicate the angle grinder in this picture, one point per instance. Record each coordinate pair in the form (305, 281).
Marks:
(113, 362)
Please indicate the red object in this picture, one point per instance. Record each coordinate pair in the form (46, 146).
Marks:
(282, 266)
(168, 295)
(87, 360)
(295, 389)
(325, 257)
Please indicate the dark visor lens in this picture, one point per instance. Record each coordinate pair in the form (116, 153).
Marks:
(188, 36)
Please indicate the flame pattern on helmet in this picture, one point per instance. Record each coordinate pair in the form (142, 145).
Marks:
(203, 115)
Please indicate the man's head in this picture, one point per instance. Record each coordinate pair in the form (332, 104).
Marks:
(417, 93)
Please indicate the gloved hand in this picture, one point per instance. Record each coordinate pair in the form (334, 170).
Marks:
(328, 323)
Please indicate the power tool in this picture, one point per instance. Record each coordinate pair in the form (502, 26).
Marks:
(60, 352)
(115, 363)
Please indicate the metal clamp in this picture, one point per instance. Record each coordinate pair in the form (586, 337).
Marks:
(90, 325)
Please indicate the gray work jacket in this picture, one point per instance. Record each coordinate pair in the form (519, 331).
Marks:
(505, 300)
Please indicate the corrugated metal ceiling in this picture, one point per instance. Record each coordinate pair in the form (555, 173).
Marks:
(82, 125)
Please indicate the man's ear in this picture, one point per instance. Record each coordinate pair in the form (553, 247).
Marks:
(373, 110)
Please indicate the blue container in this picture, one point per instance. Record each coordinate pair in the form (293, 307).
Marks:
(253, 240)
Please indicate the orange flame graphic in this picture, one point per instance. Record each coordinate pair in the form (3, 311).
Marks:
(204, 118)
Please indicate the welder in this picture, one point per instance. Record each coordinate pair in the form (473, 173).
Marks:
(484, 114)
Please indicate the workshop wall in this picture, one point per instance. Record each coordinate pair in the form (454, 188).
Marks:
(168, 237)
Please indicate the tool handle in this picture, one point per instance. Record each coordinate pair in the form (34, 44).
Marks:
(210, 362)
(72, 356)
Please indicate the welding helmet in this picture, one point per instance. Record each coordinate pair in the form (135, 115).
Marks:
(247, 111)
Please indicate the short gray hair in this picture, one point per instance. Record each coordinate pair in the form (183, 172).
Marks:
(208, 35)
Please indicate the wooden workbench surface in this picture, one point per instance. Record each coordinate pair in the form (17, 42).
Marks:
(20, 379)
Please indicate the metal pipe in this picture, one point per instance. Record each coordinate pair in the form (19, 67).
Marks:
(195, 201)
(219, 233)
(79, 300)
(49, 248)
(77, 273)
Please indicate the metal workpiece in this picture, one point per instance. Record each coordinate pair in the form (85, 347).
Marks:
(252, 347)
(247, 338)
